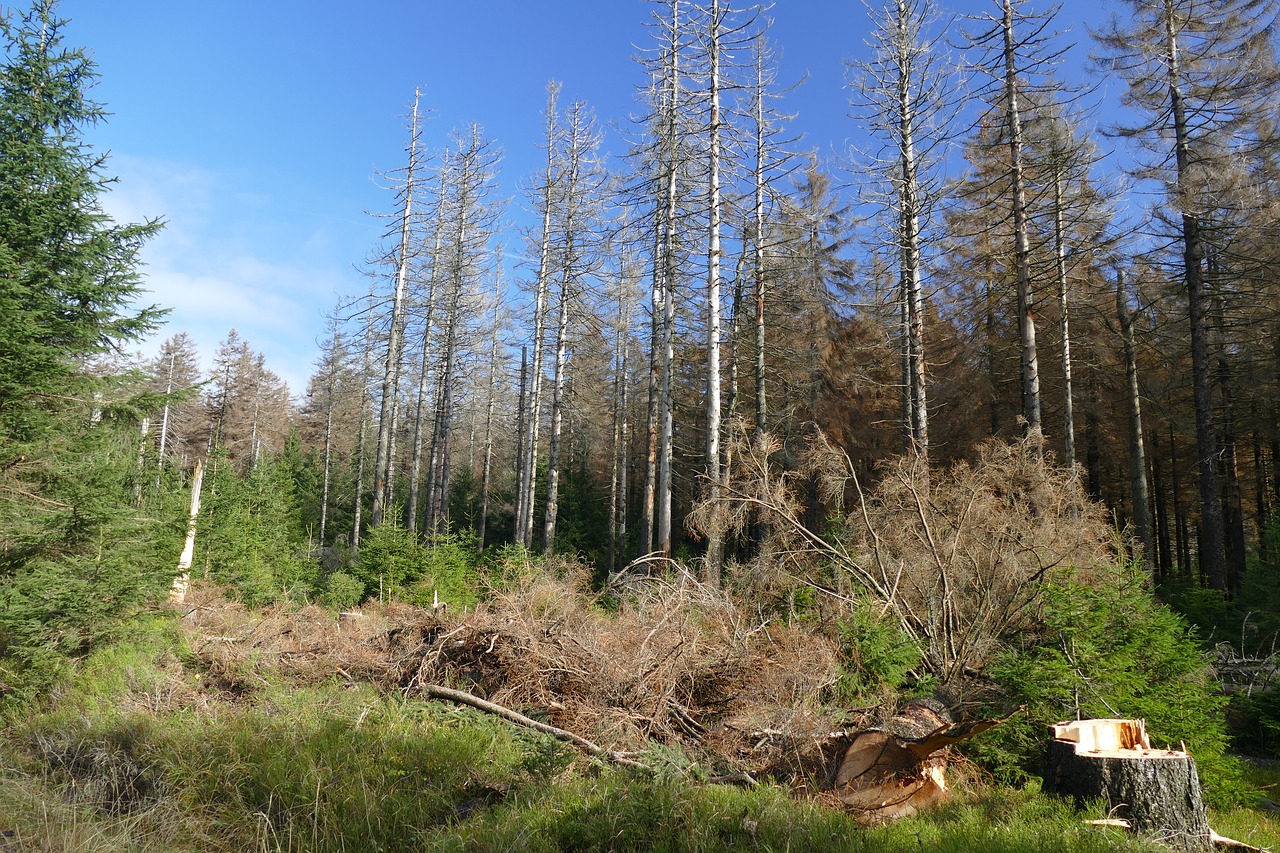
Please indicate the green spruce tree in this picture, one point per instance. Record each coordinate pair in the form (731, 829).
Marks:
(77, 550)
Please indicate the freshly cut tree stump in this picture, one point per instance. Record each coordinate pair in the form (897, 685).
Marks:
(1156, 790)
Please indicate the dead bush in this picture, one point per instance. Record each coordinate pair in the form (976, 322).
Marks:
(957, 557)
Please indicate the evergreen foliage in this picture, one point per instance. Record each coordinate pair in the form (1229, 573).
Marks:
(395, 565)
(81, 536)
(250, 535)
(68, 273)
(1106, 651)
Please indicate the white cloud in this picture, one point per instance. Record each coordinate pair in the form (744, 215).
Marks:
(223, 262)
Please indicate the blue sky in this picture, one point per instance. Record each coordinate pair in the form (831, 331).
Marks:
(256, 127)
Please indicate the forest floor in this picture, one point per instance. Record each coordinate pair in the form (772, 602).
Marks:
(219, 728)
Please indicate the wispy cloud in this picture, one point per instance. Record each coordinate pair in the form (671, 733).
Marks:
(222, 262)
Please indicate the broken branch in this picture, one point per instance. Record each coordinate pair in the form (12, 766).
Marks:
(438, 692)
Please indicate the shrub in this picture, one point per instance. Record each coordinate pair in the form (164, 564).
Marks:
(875, 654)
(343, 591)
(250, 534)
(395, 565)
(958, 557)
(1109, 650)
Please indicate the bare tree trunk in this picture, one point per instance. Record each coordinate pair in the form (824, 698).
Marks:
(557, 414)
(1182, 537)
(487, 465)
(1064, 324)
(1211, 543)
(715, 556)
(671, 271)
(1138, 491)
(758, 250)
(529, 454)
(621, 435)
(326, 466)
(522, 424)
(1164, 549)
(1233, 500)
(164, 420)
(365, 371)
(1022, 247)
(657, 312)
(182, 581)
(391, 371)
(424, 366)
(909, 240)
(575, 220)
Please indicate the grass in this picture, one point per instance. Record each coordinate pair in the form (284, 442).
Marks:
(142, 755)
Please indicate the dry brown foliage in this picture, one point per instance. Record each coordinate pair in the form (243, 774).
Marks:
(676, 662)
(957, 557)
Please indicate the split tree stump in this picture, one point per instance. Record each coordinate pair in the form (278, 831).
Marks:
(1156, 790)
(899, 768)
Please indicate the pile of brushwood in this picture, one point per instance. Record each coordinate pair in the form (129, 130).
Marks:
(674, 662)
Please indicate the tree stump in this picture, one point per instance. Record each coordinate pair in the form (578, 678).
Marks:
(899, 768)
(1156, 790)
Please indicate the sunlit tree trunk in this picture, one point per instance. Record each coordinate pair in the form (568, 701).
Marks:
(529, 454)
(1021, 241)
(383, 463)
(714, 474)
(412, 510)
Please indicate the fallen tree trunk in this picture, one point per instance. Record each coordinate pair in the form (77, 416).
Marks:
(437, 691)
(1157, 791)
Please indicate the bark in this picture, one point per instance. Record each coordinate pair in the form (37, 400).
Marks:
(1138, 491)
(529, 453)
(436, 691)
(391, 369)
(1156, 790)
(1022, 246)
(182, 581)
(574, 224)
(557, 409)
(758, 251)
(326, 468)
(1064, 323)
(491, 394)
(662, 543)
(164, 420)
(713, 389)
(420, 409)
(1211, 539)
(621, 433)
(656, 313)
(362, 438)
(912, 275)
(1164, 548)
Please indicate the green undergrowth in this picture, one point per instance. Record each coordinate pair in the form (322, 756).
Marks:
(137, 753)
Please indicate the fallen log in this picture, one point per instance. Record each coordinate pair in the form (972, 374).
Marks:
(437, 691)
(1157, 791)
(899, 768)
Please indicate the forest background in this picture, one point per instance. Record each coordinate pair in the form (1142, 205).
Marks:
(971, 414)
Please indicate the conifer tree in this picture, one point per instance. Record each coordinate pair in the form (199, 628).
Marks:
(69, 283)
(1202, 79)
(68, 273)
